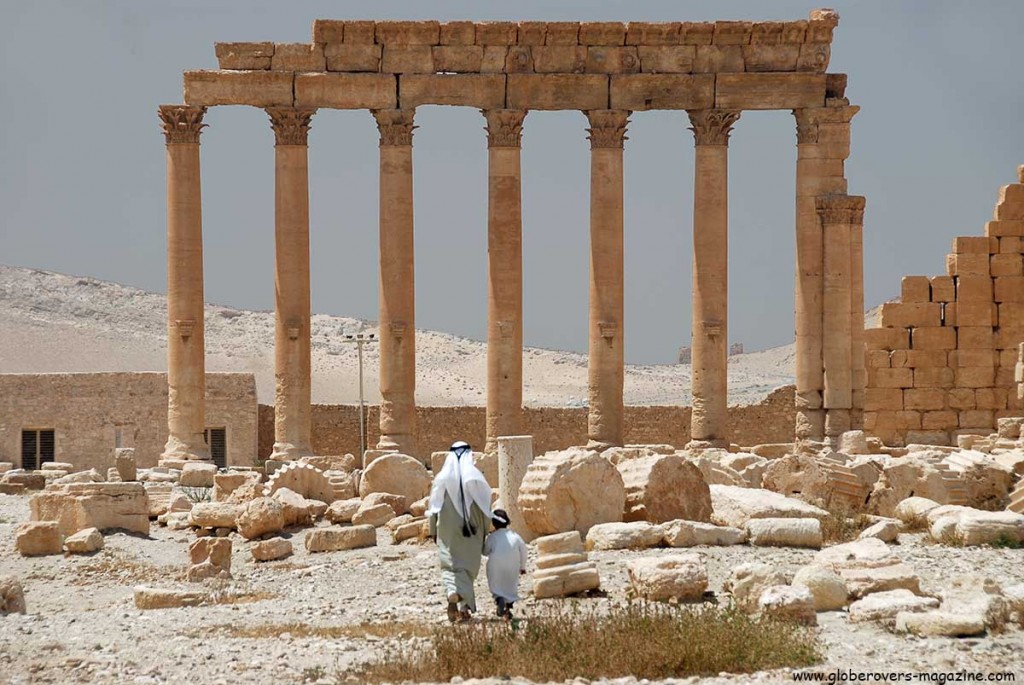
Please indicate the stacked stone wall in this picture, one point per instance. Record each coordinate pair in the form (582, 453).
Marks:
(86, 411)
(336, 427)
(941, 364)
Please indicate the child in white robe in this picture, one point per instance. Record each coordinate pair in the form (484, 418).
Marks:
(506, 561)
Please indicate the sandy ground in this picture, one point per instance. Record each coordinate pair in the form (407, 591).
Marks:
(53, 323)
(82, 624)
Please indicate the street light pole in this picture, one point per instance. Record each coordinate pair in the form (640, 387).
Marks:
(359, 339)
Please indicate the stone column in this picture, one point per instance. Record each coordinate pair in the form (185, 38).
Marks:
(292, 401)
(504, 275)
(838, 213)
(823, 143)
(858, 365)
(397, 294)
(605, 370)
(186, 367)
(515, 454)
(709, 382)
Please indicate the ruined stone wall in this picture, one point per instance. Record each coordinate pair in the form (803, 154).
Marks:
(88, 410)
(941, 364)
(336, 427)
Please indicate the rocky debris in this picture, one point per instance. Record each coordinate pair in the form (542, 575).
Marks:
(396, 502)
(913, 510)
(158, 496)
(854, 442)
(785, 532)
(85, 541)
(419, 507)
(156, 598)
(198, 474)
(175, 520)
(916, 474)
(790, 603)
(680, 577)
(884, 606)
(38, 538)
(342, 511)
(969, 527)
(12, 596)
(12, 489)
(124, 462)
(224, 484)
(6, 466)
(29, 480)
(886, 530)
(734, 506)
(259, 517)
(344, 462)
(574, 489)
(693, 533)
(746, 582)
(987, 481)
(938, 624)
(977, 596)
(178, 502)
(827, 588)
(750, 466)
(295, 508)
(335, 539)
(662, 488)
(344, 484)
(868, 566)
(556, 578)
(304, 479)
(825, 480)
(215, 515)
(397, 474)
(53, 466)
(271, 550)
(104, 506)
(714, 471)
(375, 515)
(1014, 596)
(90, 476)
(413, 528)
(209, 558)
(633, 535)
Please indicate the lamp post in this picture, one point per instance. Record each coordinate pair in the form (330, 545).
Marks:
(359, 340)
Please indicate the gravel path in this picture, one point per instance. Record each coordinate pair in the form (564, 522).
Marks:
(83, 627)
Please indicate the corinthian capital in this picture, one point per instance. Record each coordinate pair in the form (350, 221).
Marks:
(395, 126)
(607, 127)
(290, 124)
(712, 126)
(504, 127)
(837, 208)
(182, 123)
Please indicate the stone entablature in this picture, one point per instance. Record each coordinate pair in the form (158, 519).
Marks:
(529, 65)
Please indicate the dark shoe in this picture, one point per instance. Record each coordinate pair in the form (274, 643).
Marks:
(465, 616)
(453, 612)
(501, 609)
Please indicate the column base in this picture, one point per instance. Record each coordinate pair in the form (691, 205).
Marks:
(286, 451)
(403, 444)
(177, 449)
(600, 445)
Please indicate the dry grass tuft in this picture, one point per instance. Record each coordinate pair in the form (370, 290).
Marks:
(123, 568)
(400, 630)
(843, 525)
(641, 640)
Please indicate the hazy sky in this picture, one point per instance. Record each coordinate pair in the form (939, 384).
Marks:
(82, 164)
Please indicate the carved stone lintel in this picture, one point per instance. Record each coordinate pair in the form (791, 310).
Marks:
(504, 127)
(290, 124)
(395, 126)
(840, 209)
(712, 126)
(607, 127)
(181, 123)
(185, 327)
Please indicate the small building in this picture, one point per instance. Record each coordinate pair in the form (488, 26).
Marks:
(80, 417)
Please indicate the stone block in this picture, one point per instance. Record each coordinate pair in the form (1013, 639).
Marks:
(557, 91)
(1000, 229)
(640, 92)
(38, 538)
(1010, 245)
(458, 58)
(680, 578)
(768, 91)
(408, 32)
(566, 580)
(634, 535)
(457, 33)
(974, 338)
(124, 462)
(560, 543)
(1009, 289)
(975, 377)
(971, 314)
(876, 399)
(653, 33)
(346, 91)
(407, 59)
(962, 398)
(915, 289)
(768, 33)
(664, 488)
(940, 420)
(890, 378)
(890, 339)
(532, 33)
(602, 33)
(747, 581)
(992, 398)
(336, 539)
(733, 506)
(209, 558)
(977, 418)
(396, 474)
(566, 59)
(1006, 265)
(771, 57)
(972, 357)
(792, 604)
(496, 33)
(667, 59)
(362, 32)
(159, 598)
(244, 56)
(693, 533)
(85, 541)
(977, 245)
(271, 550)
(911, 314)
(732, 32)
(328, 31)
(1011, 315)
(298, 57)
(784, 532)
(977, 288)
(612, 60)
(562, 33)
(12, 596)
(967, 265)
(482, 91)
(94, 505)
(198, 474)
(933, 377)
(224, 484)
(376, 515)
(917, 359)
(554, 495)
(924, 399)
(718, 59)
(933, 338)
(255, 88)
(353, 57)
(215, 515)
(12, 489)
(495, 59)
(877, 359)
(696, 32)
(943, 289)
(938, 624)
(826, 587)
(884, 606)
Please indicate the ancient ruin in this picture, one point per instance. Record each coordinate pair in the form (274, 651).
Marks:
(608, 71)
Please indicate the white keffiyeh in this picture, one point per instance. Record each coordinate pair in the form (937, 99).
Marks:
(463, 482)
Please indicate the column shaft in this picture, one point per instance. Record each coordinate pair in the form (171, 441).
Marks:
(859, 370)
(605, 365)
(397, 294)
(186, 370)
(709, 375)
(504, 275)
(292, 398)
